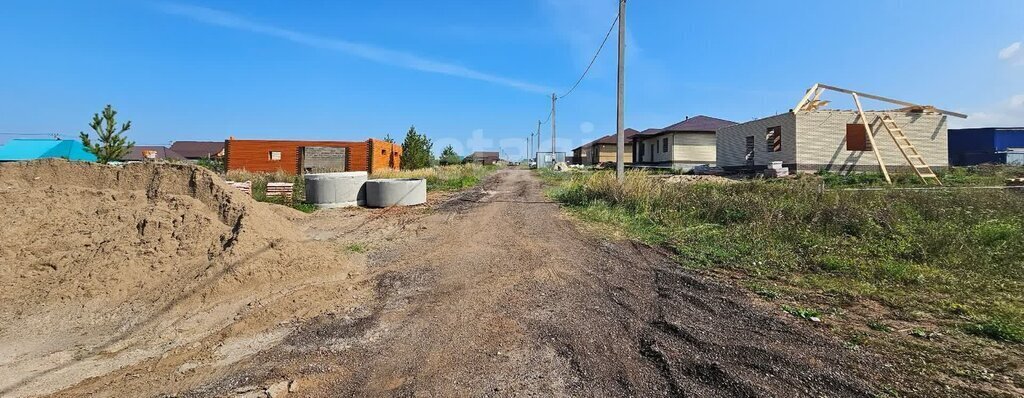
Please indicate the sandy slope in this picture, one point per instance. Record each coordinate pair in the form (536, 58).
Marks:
(103, 267)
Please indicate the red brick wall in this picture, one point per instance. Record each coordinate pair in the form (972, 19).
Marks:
(254, 155)
(384, 155)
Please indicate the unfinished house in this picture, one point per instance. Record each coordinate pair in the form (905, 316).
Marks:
(680, 146)
(300, 157)
(809, 138)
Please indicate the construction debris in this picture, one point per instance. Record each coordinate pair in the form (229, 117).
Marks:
(776, 170)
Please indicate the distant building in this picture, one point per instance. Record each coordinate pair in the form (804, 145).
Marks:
(683, 145)
(483, 157)
(974, 146)
(195, 150)
(30, 149)
(604, 149)
(299, 157)
(141, 153)
(581, 154)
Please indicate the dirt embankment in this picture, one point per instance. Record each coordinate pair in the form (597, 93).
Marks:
(103, 267)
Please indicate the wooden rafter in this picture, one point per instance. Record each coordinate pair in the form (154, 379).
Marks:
(871, 138)
(810, 101)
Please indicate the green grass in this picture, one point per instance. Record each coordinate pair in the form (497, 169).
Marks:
(983, 175)
(911, 251)
(444, 178)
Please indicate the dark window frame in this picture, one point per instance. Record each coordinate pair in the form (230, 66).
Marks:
(773, 139)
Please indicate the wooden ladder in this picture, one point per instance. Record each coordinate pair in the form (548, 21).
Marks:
(908, 150)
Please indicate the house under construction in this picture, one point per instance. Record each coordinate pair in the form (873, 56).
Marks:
(810, 138)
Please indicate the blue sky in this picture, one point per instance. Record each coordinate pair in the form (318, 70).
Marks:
(477, 74)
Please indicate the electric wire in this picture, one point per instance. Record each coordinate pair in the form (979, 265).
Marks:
(592, 60)
(589, 66)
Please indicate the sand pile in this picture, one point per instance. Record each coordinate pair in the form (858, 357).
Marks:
(128, 262)
(693, 179)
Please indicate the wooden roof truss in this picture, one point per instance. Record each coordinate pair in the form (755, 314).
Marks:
(812, 101)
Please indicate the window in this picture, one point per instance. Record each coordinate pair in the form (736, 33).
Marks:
(641, 152)
(664, 144)
(857, 138)
(383, 151)
(750, 151)
(773, 139)
(275, 155)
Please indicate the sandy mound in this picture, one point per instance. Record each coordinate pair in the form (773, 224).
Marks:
(104, 266)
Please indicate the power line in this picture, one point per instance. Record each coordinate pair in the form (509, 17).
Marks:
(555, 97)
(592, 60)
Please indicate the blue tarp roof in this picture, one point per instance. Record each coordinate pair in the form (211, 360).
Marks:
(29, 149)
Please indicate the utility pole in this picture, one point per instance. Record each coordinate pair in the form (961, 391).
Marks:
(620, 122)
(553, 99)
(536, 153)
(529, 143)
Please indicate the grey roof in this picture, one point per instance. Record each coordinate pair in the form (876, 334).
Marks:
(483, 154)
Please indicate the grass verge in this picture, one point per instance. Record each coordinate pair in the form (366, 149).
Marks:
(443, 178)
(914, 274)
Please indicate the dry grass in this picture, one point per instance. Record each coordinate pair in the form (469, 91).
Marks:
(443, 178)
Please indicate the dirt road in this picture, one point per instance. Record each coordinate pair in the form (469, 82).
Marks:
(496, 293)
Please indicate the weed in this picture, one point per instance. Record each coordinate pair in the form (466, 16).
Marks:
(855, 340)
(805, 313)
(357, 248)
(878, 326)
(1004, 323)
(767, 292)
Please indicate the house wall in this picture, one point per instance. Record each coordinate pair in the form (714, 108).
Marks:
(657, 154)
(253, 155)
(731, 142)
(601, 153)
(693, 148)
(821, 141)
(384, 155)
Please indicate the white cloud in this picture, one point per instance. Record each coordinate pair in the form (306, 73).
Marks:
(377, 54)
(1006, 113)
(1010, 51)
(1017, 101)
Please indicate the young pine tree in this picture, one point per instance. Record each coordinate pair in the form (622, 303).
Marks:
(113, 144)
(416, 150)
(448, 156)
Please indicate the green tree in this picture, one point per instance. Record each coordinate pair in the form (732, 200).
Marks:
(416, 150)
(113, 144)
(448, 156)
(387, 138)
